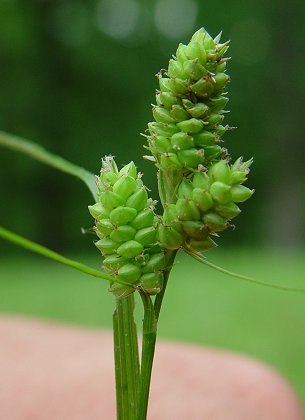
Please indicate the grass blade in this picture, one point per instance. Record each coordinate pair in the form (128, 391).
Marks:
(41, 250)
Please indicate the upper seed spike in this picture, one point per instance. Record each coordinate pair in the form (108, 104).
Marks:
(184, 142)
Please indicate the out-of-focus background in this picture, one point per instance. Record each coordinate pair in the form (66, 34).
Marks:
(78, 78)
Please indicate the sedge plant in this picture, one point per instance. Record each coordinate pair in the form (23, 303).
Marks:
(200, 189)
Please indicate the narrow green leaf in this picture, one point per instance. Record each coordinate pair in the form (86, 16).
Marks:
(170, 256)
(42, 155)
(39, 249)
(201, 259)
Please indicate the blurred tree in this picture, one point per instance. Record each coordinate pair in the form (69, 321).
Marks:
(77, 77)
(285, 125)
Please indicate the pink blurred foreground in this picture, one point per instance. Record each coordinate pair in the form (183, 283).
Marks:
(50, 371)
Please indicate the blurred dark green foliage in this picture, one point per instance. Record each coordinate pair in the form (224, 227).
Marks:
(78, 78)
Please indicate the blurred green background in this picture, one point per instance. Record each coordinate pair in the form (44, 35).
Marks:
(78, 78)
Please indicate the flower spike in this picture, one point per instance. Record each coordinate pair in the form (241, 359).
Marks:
(202, 188)
(126, 225)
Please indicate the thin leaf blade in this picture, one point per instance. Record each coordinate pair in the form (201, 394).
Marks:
(46, 252)
(203, 260)
(40, 154)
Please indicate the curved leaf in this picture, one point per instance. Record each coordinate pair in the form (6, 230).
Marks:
(42, 155)
(39, 249)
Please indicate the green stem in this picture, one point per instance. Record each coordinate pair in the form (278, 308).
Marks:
(117, 345)
(150, 325)
(170, 258)
(42, 155)
(126, 357)
(148, 351)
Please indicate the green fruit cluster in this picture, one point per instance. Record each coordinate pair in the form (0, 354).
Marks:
(206, 202)
(190, 106)
(200, 188)
(126, 225)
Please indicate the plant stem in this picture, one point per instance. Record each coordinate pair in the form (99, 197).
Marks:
(150, 325)
(148, 350)
(170, 258)
(126, 357)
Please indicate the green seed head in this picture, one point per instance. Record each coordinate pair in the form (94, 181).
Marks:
(202, 188)
(127, 227)
(191, 100)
